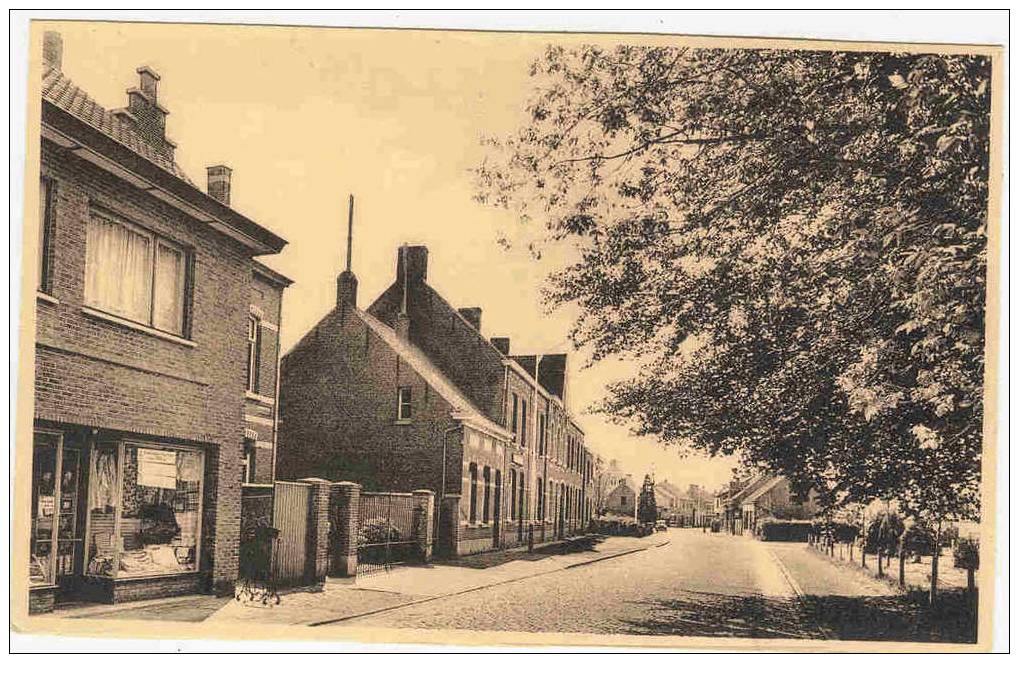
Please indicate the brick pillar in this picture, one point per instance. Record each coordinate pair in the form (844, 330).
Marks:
(424, 522)
(316, 564)
(449, 525)
(345, 508)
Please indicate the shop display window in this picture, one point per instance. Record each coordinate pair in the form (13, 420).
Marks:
(160, 510)
(45, 501)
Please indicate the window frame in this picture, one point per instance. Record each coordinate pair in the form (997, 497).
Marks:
(486, 509)
(44, 261)
(254, 352)
(185, 276)
(248, 458)
(472, 510)
(523, 422)
(404, 398)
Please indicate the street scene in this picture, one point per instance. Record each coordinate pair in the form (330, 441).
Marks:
(610, 336)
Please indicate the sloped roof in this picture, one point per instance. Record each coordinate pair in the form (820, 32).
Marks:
(763, 488)
(463, 408)
(65, 94)
(751, 487)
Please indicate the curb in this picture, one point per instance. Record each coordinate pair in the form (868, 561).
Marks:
(429, 599)
(798, 590)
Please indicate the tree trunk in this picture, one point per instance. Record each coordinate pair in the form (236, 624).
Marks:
(971, 580)
(935, 557)
(902, 567)
(852, 544)
(863, 555)
(880, 570)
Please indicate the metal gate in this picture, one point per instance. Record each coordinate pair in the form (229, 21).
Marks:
(386, 531)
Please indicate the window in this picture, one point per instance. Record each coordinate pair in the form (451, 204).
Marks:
(248, 463)
(487, 475)
(135, 274)
(540, 493)
(45, 234)
(254, 352)
(513, 494)
(473, 502)
(520, 496)
(622, 500)
(403, 405)
(45, 499)
(523, 422)
(516, 417)
(541, 434)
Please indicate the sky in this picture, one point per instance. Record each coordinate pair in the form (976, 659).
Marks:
(306, 116)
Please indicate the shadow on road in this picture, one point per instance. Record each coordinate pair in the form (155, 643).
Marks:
(903, 618)
(497, 558)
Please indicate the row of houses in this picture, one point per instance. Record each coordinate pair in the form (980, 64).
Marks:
(744, 503)
(161, 397)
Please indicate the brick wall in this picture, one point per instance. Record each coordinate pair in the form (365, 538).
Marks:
(338, 397)
(95, 373)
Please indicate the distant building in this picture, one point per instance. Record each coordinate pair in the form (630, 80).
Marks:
(622, 499)
(381, 395)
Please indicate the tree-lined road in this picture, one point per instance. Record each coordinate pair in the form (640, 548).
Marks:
(700, 584)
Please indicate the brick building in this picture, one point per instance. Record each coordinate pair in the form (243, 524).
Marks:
(379, 396)
(144, 347)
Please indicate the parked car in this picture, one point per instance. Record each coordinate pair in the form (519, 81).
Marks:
(660, 525)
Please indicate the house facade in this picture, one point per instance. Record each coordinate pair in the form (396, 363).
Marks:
(622, 499)
(142, 324)
(408, 394)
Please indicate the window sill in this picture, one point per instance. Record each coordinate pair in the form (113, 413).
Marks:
(259, 398)
(403, 421)
(46, 298)
(108, 317)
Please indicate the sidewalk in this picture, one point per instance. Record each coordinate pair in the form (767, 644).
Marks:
(342, 599)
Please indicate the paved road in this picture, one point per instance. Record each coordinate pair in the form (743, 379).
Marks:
(701, 584)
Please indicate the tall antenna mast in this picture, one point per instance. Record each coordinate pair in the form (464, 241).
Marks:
(350, 231)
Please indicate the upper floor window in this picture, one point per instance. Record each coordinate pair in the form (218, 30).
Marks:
(254, 354)
(132, 273)
(516, 413)
(248, 463)
(403, 405)
(45, 234)
(523, 422)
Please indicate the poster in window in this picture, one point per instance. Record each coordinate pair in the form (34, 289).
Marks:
(157, 468)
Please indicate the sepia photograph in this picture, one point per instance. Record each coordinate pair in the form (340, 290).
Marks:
(507, 339)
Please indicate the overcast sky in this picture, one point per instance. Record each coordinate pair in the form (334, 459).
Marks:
(305, 116)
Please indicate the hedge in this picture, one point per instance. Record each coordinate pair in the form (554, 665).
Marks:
(784, 531)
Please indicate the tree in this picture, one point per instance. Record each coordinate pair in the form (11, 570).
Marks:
(647, 508)
(790, 243)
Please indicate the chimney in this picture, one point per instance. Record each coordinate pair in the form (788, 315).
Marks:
(219, 183)
(552, 374)
(472, 314)
(417, 264)
(52, 50)
(502, 344)
(145, 113)
(403, 326)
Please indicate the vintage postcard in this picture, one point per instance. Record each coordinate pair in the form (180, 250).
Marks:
(521, 339)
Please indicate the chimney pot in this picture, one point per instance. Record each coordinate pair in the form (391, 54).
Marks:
(219, 183)
(472, 314)
(53, 49)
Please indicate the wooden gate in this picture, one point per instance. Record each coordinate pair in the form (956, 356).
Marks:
(290, 517)
(386, 531)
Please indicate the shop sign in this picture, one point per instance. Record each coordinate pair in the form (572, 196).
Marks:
(157, 468)
(517, 458)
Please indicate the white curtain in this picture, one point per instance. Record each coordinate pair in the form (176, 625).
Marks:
(168, 306)
(118, 269)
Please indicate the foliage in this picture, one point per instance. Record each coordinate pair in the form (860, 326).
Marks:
(883, 534)
(784, 530)
(792, 244)
(967, 554)
(917, 540)
(377, 531)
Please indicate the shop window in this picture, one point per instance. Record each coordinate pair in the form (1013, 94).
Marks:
(151, 523)
(254, 352)
(45, 502)
(132, 273)
(403, 404)
(45, 233)
(473, 502)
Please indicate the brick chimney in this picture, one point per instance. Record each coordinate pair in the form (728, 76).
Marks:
(472, 314)
(502, 344)
(346, 289)
(52, 50)
(552, 374)
(417, 264)
(219, 183)
(144, 112)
